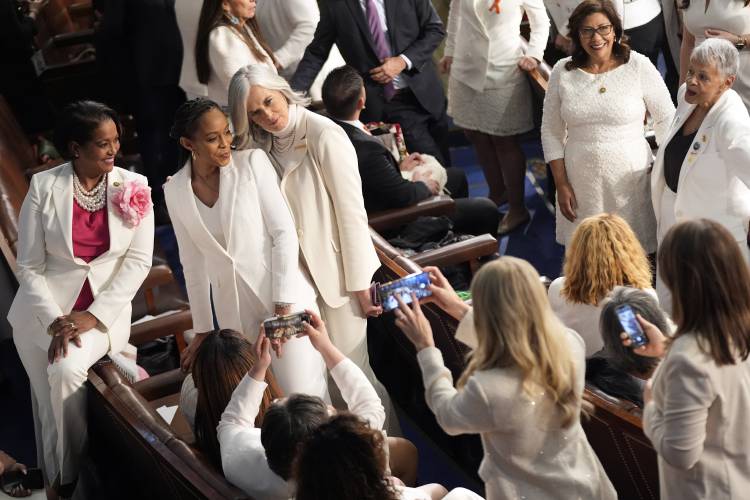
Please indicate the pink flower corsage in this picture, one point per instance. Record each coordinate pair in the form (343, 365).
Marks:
(132, 201)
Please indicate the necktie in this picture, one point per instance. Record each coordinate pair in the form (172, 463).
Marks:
(382, 47)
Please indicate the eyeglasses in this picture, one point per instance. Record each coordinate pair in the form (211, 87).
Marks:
(588, 32)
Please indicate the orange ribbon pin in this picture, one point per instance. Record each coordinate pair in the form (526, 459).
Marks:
(495, 7)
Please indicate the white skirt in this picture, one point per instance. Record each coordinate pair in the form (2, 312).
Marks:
(502, 111)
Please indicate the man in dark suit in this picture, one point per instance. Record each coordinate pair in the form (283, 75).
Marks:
(390, 43)
(383, 186)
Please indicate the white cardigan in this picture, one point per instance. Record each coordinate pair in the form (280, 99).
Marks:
(486, 46)
(526, 452)
(243, 457)
(227, 53)
(262, 247)
(697, 422)
(50, 278)
(714, 181)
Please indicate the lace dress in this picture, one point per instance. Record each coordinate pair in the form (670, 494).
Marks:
(600, 135)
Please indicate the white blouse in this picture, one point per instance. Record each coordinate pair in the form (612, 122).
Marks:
(211, 217)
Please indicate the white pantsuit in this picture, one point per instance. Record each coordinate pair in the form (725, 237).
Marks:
(321, 184)
(50, 279)
(256, 268)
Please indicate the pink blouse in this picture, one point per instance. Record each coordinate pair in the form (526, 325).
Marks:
(90, 240)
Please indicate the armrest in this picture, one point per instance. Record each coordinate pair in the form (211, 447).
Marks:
(160, 274)
(171, 324)
(390, 219)
(161, 385)
(68, 39)
(456, 253)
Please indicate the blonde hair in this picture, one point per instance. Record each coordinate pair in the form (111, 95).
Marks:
(603, 254)
(516, 327)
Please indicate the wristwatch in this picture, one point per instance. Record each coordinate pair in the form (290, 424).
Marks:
(740, 43)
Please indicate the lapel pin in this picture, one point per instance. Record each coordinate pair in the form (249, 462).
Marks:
(116, 184)
(696, 146)
(704, 138)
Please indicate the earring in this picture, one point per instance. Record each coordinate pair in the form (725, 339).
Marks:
(232, 18)
(75, 155)
(192, 153)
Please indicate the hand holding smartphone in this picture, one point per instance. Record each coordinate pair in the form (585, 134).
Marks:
(630, 325)
(417, 283)
(286, 327)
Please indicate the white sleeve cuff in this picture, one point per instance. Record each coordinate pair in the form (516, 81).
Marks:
(407, 61)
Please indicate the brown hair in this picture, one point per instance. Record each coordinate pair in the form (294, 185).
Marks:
(211, 17)
(603, 253)
(221, 362)
(342, 460)
(620, 47)
(701, 264)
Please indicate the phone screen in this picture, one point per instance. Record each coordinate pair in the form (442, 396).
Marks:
(417, 283)
(631, 326)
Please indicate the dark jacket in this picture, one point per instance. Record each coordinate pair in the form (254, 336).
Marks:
(382, 184)
(615, 382)
(414, 30)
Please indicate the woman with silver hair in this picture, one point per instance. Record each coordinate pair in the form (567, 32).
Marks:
(703, 167)
(319, 179)
(616, 369)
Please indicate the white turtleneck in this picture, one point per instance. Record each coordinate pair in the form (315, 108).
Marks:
(283, 140)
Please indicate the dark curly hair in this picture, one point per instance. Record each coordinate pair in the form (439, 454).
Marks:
(78, 121)
(186, 121)
(620, 47)
(343, 459)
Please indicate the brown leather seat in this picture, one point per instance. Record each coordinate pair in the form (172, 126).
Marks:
(135, 452)
(615, 431)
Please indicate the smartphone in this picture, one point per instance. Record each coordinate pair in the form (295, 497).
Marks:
(286, 326)
(419, 283)
(631, 326)
(32, 480)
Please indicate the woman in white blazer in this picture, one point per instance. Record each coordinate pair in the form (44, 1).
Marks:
(85, 244)
(703, 167)
(228, 38)
(521, 391)
(320, 183)
(187, 13)
(238, 247)
(697, 403)
(488, 92)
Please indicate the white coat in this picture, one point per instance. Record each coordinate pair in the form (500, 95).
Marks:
(188, 13)
(487, 46)
(697, 422)
(322, 187)
(262, 248)
(714, 178)
(50, 278)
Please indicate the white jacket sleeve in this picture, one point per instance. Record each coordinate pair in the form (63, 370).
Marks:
(657, 99)
(453, 20)
(110, 301)
(734, 148)
(358, 393)
(194, 268)
(339, 168)
(227, 53)
(31, 263)
(303, 15)
(554, 129)
(280, 225)
(539, 23)
(677, 429)
(458, 412)
(243, 457)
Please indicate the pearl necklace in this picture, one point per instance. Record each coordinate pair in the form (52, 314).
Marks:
(93, 200)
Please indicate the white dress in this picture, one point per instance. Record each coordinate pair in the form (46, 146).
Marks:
(487, 91)
(727, 15)
(600, 135)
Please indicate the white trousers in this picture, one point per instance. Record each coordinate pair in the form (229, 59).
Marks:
(59, 402)
(347, 327)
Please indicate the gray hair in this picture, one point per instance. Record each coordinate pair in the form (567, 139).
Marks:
(610, 328)
(719, 53)
(246, 133)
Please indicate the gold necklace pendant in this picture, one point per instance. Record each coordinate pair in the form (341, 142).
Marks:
(602, 89)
